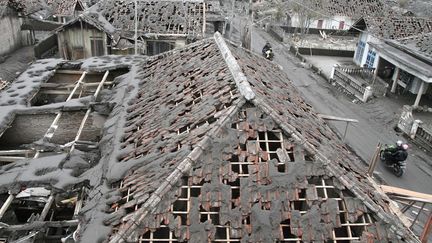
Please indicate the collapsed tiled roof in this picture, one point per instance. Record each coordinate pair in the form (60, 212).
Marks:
(45, 8)
(165, 17)
(395, 27)
(351, 8)
(220, 147)
(28, 7)
(64, 8)
(208, 142)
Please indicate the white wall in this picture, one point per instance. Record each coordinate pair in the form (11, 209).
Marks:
(365, 38)
(328, 23)
(10, 34)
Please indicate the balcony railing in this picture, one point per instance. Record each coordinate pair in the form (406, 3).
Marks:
(360, 82)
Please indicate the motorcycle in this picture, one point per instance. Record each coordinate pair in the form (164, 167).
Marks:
(268, 54)
(386, 155)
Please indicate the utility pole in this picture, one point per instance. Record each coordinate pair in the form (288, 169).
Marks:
(136, 28)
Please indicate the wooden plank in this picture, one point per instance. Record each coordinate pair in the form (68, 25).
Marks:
(15, 152)
(11, 158)
(336, 118)
(404, 192)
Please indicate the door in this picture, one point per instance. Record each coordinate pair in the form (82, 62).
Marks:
(320, 24)
(341, 25)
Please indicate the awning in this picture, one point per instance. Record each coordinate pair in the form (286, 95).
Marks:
(404, 60)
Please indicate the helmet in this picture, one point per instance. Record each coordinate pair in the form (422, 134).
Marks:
(404, 146)
(399, 143)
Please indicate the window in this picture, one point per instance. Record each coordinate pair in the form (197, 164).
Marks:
(360, 50)
(97, 46)
(370, 58)
(157, 47)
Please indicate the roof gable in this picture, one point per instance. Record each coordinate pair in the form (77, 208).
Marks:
(251, 182)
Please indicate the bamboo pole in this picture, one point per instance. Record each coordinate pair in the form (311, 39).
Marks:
(6, 205)
(49, 134)
(373, 162)
(87, 114)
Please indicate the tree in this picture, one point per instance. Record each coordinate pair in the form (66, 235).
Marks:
(304, 12)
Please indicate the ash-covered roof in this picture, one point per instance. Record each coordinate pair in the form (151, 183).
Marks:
(350, 8)
(45, 8)
(420, 43)
(28, 7)
(216, 132)
(65, 8)
(167, 17)
(208, 142)
(395, 27)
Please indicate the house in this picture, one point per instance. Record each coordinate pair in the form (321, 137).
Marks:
(209, 142)
(108, 27)
(397, 48)
(334, 14)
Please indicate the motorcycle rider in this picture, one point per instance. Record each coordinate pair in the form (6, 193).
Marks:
(266, 47)
(267, 51)
(397, 153)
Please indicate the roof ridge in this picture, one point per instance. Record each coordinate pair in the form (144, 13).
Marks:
(239, 77)
(183, 167)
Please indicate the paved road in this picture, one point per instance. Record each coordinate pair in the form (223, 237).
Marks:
(363, 136)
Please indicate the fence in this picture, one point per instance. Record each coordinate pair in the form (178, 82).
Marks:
(350, 84)
(415, 129)
(360, 82)
(423, 136)
(276, 32)
(379, 86)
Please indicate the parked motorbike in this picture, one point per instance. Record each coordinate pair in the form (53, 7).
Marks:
(386, 155)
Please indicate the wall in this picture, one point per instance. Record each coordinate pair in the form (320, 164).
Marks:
(332, 32)
(366, 38)
(178, 43)
(10, 34)
(328, 23)
(46, 47)
(72, 37)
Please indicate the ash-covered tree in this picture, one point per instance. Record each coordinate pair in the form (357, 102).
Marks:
(305, 13)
